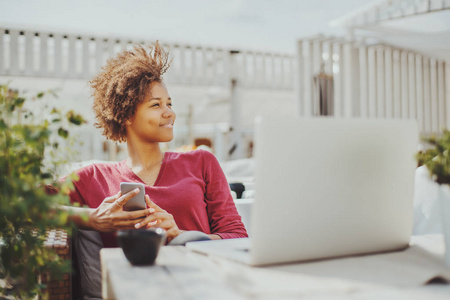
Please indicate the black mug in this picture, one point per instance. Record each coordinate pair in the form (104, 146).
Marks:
(141, 246)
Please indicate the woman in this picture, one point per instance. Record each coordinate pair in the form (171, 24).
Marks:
(184, 191)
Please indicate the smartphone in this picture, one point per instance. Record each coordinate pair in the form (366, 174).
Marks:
(138, 201)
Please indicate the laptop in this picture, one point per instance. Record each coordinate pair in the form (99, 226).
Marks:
(327, 188)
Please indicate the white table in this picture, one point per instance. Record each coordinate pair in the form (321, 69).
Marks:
(182, 274)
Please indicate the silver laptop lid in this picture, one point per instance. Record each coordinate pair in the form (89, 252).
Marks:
(331, 187)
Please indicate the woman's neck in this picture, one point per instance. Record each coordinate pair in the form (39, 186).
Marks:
(144, 156)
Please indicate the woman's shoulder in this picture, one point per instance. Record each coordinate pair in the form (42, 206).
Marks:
(94, 166)
(193, 155)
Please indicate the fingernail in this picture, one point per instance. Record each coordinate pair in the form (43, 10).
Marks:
(136, 190)
(151, 210)
(137, 225)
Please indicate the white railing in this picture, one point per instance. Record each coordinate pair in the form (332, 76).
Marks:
(389, 10)
(377, 81)
(45, 54)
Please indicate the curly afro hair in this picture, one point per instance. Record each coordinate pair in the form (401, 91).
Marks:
(123, 83)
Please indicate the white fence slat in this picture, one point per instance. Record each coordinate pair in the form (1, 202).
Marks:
(85, 57)
(419, 93)
(327, 48)
(2, 52)
(434, 96)
(58, 39)
(44, 54)
(397, 84)
(388, 83)
(426, 95)
(413, 88)
(441, 95)
(14, 52)
(299, 81)
(72, 57)
(447, 93)
(338, 77)
(290, 71)
(308, 78)
(99, 54)
(405, 89)
(363, 86)
(372, 77)
(29, 52)
(381, 96)
(349, 81)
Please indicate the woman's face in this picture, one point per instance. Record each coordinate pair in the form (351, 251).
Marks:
(154, 118)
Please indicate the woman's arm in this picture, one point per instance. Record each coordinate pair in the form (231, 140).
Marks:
(108, 216)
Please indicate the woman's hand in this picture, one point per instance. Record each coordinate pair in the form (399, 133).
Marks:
(109, 216)
(160, 218)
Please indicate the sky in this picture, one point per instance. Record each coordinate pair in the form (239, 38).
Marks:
(270, 25)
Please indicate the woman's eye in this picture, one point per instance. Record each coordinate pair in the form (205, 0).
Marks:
(155, 105)
(169, 104)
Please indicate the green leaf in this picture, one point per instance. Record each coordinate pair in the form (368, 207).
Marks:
(63, 133)
(40, 94)
(75, 118)
(19, 102)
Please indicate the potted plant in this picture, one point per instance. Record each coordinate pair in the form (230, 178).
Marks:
(29, 147)
(437, 160)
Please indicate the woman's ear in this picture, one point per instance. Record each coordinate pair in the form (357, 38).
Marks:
(128, 122)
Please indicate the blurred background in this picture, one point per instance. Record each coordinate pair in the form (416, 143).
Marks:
(235, 60)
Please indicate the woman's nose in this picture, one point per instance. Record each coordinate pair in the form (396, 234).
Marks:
(168, 112)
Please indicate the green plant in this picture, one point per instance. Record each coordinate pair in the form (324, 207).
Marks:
(437, 157)
(28, 144)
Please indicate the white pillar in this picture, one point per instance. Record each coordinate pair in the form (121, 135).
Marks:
(397, 86)
(72, 58)
(412, 78)
(299, 81)
(441, 95)
(43, 67)
(372, 80)
(308, 79)
(434, 96)
(349, 80)
(86, 58)
(381, 107)
(338, 81)
(426, 95)
(363, 83)
(388, 83)
(58, 38)
(29, 52)
(419, 93)
(405, 85)
(447, 93)
(99, 52)
(13, 52)
(2, 52)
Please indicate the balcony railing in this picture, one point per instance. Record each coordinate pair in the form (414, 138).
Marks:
(52, 54)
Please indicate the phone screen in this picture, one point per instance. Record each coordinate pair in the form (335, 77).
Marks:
(138, 201)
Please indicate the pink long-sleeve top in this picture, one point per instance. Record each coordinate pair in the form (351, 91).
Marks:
(191, 186)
